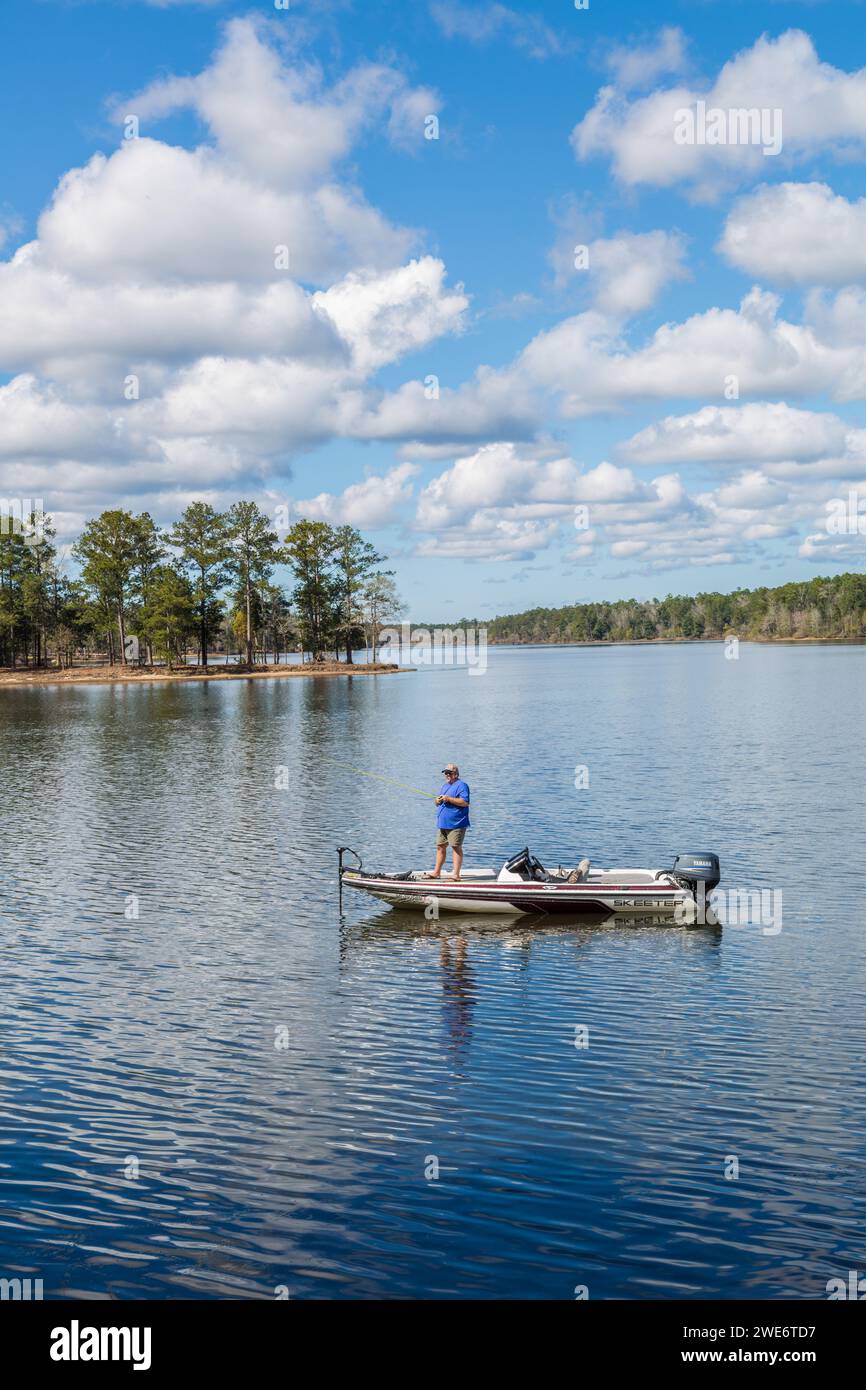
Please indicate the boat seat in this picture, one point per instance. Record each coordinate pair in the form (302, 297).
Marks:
(580, 874)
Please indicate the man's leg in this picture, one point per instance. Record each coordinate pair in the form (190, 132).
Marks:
(456, 860)
(441, 850)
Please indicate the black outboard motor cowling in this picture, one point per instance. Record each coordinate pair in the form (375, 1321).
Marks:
(698, 868)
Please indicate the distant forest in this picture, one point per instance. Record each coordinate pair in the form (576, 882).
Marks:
(831, 608)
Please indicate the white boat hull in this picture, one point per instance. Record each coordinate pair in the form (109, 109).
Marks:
(605, 891)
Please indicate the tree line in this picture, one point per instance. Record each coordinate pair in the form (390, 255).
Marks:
(833, 608)
(207, 579)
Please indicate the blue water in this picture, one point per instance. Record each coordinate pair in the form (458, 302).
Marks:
(212, 1086)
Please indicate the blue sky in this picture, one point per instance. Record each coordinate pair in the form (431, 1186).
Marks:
(603, 388)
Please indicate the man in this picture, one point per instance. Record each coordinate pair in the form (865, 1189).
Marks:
(452, 820)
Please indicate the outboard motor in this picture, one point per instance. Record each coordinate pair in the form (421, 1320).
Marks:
(693, 869)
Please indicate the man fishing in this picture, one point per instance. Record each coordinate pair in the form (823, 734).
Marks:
(452, 820)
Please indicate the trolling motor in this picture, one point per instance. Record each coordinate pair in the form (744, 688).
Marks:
(341, 850)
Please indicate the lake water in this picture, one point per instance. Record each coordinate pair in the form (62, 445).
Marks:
(236, 1092)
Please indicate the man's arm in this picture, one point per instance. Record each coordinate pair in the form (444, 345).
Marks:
(458, 800)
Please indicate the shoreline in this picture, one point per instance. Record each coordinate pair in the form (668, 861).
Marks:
(134, 675)
(685, 641)
(125, 675)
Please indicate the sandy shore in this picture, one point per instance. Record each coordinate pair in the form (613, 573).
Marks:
(135, 675)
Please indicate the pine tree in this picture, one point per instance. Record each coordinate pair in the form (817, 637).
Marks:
(202, 538)
(253, 553)
(149, 552)
(309, 549)
(170, 615)
(355, 560)
(108, 553)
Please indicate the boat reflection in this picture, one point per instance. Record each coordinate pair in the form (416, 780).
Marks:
(392, 922)
(462, 938)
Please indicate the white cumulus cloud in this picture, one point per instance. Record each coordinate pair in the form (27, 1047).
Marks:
(760, 430)
(823, 109)
(369, 504)
(797, 234)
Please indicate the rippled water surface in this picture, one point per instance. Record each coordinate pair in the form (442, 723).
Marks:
(283, 1083)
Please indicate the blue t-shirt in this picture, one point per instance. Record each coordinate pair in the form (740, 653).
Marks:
(453, 817)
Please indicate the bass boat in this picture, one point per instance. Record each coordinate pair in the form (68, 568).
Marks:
(523, 885)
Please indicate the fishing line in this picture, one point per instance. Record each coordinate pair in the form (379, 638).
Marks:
(362, 772)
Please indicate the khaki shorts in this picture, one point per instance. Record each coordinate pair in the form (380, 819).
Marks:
(454, 838)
